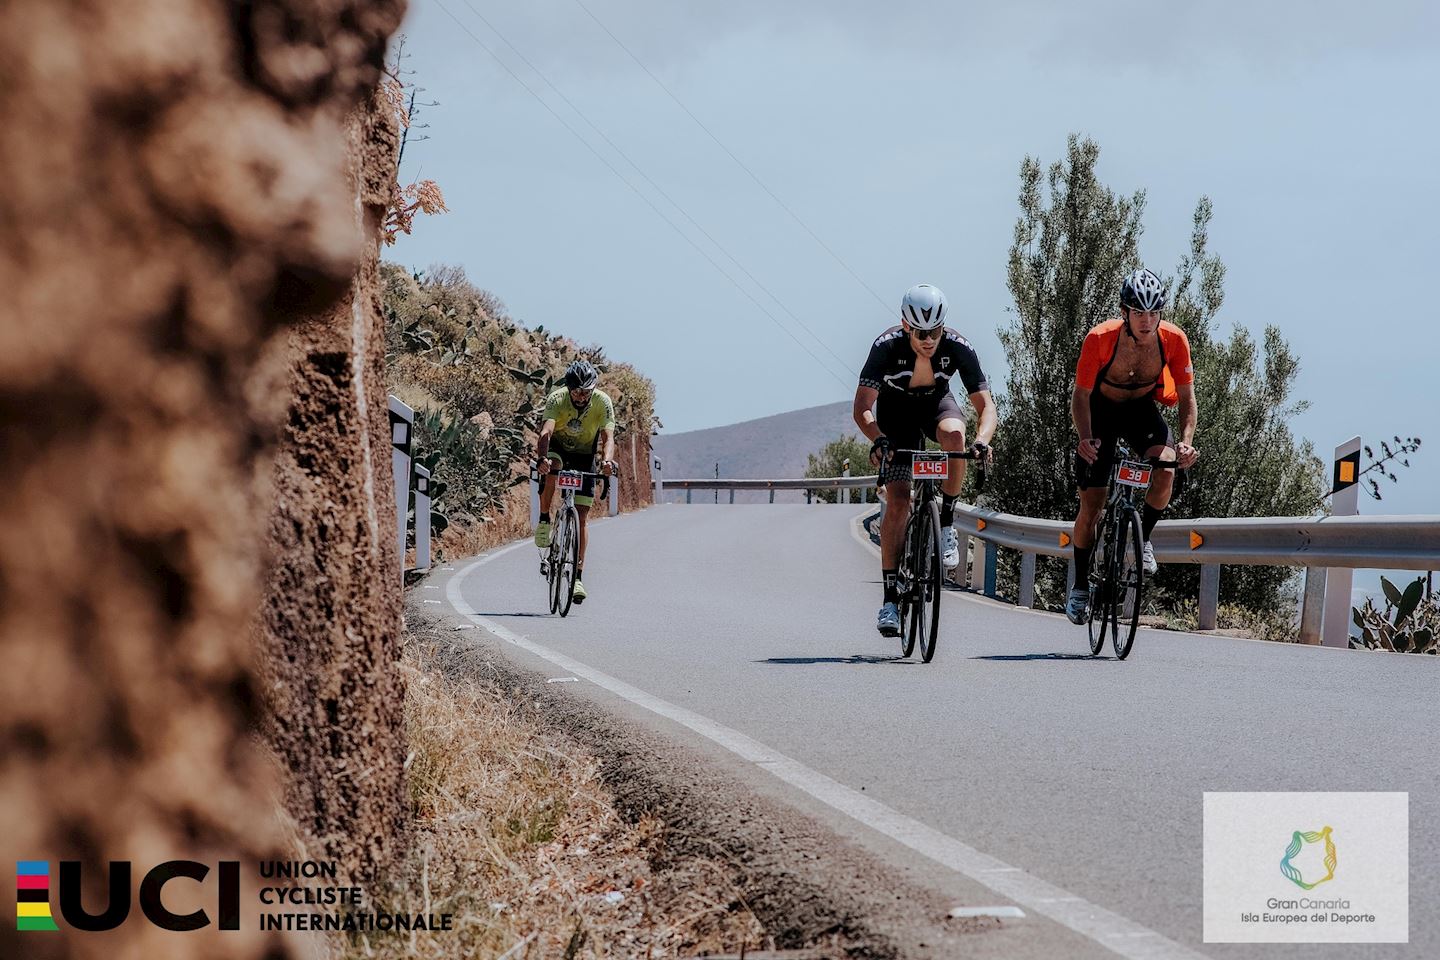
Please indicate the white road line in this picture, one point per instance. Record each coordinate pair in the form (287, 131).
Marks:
(1118, 934)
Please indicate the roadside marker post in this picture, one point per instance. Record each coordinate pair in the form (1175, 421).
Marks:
(1345, 502)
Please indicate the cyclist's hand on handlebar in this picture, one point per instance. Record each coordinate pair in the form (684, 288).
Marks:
(880, 451)
(544, 466)
(1089, 449)
(983, 454)
(608, 468)
(1187, 455)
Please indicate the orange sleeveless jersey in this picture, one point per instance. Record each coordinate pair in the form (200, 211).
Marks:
(1100, 346)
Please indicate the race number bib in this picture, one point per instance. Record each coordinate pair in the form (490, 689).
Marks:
(1133, 474)
(569, 480)
(930, 466)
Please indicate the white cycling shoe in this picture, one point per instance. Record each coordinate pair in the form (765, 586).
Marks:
(888, 620)
(1147, 560)
(950, 555)
(1077, 606)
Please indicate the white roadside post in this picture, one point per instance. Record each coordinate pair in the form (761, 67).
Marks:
(614, 491)
(659, 482)
(402, 431)
(1345, 502)
(845, 492)
(422, 519)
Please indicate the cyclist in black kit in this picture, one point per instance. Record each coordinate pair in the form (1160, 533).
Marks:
(903, 398)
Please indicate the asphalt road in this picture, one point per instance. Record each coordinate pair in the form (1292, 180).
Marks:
(1087, 774)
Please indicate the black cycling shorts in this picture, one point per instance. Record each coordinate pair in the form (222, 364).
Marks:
(1138, 422)
(908, 423)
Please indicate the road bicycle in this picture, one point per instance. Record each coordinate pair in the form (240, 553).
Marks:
(1116, 576)
(562, 559)
(919, 576)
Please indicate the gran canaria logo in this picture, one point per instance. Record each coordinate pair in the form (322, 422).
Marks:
(1297, 841)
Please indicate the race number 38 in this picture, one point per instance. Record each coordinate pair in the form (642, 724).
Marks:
(1133, 474)
(931, 468)
(570, 481)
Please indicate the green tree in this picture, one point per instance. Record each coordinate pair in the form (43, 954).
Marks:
(1074, 241)
(830, 462)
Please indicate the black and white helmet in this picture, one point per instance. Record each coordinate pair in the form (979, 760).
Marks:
(1142, 290)
(581, 375)
(923, 307)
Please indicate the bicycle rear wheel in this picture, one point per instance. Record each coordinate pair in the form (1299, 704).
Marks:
(1129, 584)
(927, 582)
(1101, 578)
(569, 561)
(906, 576)
(557, 547)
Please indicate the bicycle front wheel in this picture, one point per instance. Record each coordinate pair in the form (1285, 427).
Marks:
(923, 625)
(557, 550)
(569, 561)
(906, 575)
(1129, 585)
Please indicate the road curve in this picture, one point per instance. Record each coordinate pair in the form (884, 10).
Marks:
(1081, 777)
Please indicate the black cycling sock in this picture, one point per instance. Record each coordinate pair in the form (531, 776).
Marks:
(544, 518)
(892, 589)
(577, 574)
(1082, 565)
(1148, 518)
(947, 508)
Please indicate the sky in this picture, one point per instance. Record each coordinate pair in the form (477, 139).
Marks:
(878, 145)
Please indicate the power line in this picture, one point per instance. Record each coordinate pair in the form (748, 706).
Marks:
(740, 163)
(648, 202)
(656, 187)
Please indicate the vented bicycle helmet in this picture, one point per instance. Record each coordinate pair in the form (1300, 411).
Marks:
(1142, 290)
(581, 375)
(923, 307)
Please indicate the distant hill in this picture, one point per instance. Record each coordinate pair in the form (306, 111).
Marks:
(770, 447)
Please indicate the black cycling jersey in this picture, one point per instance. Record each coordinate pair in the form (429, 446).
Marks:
(891, 364)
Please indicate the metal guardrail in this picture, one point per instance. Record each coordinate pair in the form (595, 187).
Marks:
(1317, 544)
(808, 484)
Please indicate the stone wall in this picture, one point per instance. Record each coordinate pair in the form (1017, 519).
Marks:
(175, 194)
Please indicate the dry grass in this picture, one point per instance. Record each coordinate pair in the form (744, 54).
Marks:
(515, 835)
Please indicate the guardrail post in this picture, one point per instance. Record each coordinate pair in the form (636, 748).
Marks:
(807, 496)
(1345, 502)
(659, 481)
(732, 496)
(991, 567)
(422, 519)
(688, 491)
(976, 577)
(845, 491)
(402, 432)
(1027, 579)
(1209, 595)
(772, 493)
(1312, 605)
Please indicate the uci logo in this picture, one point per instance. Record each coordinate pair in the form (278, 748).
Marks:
(32, 902)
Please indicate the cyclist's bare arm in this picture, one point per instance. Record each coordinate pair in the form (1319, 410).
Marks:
(1185, 450)
(864, 412)
(1080, 415)
(607, 444)
(542, 446)
(985, 418)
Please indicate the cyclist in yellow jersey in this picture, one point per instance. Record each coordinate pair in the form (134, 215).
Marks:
(579, 420)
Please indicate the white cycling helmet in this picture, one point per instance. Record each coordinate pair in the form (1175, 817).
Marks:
(1143, 291)
(923, 307)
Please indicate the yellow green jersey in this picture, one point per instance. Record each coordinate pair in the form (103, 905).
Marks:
(577, 431)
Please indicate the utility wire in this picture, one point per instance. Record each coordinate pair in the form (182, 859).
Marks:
(650, 203)
(740, 163)
(844, 366)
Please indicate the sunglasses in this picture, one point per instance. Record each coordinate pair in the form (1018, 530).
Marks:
(927, 334)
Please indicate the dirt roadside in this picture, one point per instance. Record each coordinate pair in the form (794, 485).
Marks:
(805, 885)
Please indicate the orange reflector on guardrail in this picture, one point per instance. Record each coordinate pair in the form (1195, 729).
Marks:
(979, 525)
(1064, 539)
(1196, 541)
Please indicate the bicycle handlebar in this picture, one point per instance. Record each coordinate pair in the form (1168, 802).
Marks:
(982, 461)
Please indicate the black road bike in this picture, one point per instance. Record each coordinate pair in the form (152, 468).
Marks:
(1117, 576)
(562, 559)
(920, 573)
